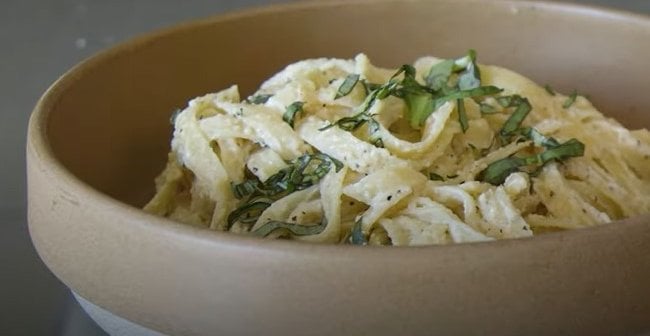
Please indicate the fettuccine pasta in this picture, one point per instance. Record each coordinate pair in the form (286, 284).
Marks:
(440, 152)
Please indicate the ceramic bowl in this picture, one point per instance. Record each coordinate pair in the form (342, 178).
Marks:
(100, 134)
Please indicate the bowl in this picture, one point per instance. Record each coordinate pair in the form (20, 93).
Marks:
(100, 134)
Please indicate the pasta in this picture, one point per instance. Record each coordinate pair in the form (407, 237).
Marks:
(440, 152)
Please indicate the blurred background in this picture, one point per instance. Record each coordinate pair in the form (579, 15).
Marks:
(40, 40)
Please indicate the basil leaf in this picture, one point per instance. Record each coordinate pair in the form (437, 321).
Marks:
(538, 138)
(369, 87)
(349, 124)
(497, 171)
(261, 98)
(549, 89)
(572, 98)
(462, 116)
(244, 189)
(302, 173)
(295, 229)
(439, 74)
(570, 148)
(465, 61)
(357, 236)
(420, 106)
(290, 112)
(516, 118)
(249, 212)
(487, 108)
(347, 86)
(471, 77)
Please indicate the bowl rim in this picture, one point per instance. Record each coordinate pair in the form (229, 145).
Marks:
(39, 147)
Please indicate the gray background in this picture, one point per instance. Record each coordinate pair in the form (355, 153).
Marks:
(41, 39)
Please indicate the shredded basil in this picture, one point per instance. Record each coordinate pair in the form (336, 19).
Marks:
(357, 236)
(261, 98)
(572, 98)
(363, 116)
(249, 212)
(301, 173)
(293, 228)
(522, 109)
(570, 148)
(497, 172)
(470, 78)
(348, 84)
(291, 111)
(487, 108)
(538, 138)
(418, 117)
(549, 89)
(462, 116)
(422, 100)
(244, 189)
(439, 75)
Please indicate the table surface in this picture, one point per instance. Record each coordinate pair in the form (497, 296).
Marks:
(41, 39)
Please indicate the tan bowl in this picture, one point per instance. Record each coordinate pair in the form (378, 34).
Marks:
(100, 135)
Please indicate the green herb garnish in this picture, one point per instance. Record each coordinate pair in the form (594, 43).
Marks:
(570, 148)
(497, 172)
(417, 117)
(301, 173)
(487, 108)
(261, 98)
(439, 75)
(572, 98)
(363, 116)
(538, 138)
(347, 86)
(462, 116)
(244, 189)
(293, 228)
(470, 78)
(517, 117)
(357, 236)
(290, 112)
(422, 100)
(549, 89)
(249, 212)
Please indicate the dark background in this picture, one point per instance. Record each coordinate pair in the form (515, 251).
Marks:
(39, 40)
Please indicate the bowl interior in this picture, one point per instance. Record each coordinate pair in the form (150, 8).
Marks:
(109, 120)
